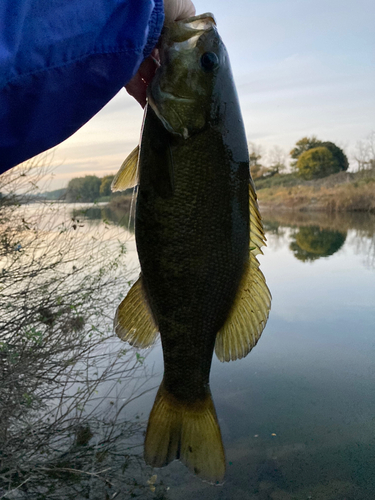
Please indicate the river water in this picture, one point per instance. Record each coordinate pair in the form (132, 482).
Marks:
(297, 415)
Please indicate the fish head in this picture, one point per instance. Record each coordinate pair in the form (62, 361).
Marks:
(193, 59)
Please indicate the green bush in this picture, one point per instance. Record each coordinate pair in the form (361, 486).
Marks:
(308, 143)
(338, 154)
(316, 163)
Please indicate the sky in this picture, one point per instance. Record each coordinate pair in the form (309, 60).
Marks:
(301, 68)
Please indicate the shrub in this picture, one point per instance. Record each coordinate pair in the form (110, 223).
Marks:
(316, 163)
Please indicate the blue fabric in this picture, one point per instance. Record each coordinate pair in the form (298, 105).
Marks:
(61, 61)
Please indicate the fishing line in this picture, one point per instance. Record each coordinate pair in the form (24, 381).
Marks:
(132, 204)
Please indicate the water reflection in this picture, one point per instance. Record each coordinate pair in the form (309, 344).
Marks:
(311, 243)
(311, 236)
(115, 214)
(296, 415)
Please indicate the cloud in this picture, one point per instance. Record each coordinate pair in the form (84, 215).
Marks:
(301, 68)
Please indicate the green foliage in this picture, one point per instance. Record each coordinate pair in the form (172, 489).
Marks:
(308, 143)
(303, 145)
(105, 186)
(277, 180)
(89, 189)
(338, 154)
(316, 163)
(83, 189)
(140, 358)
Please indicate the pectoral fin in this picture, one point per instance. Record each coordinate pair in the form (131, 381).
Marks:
(134, 322)
(127, 176)
(252, 304)
(248, 316)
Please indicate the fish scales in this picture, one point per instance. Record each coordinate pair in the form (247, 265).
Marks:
(192, 245)
(198, 231)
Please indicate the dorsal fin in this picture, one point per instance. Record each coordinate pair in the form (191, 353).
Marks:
(127, 176)
(257, 237)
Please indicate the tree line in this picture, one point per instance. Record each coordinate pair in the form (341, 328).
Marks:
(89, 188)
(311, 159)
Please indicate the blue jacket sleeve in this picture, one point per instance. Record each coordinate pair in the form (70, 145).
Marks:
(62, 61)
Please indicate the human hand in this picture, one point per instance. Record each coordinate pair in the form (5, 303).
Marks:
(174, 10)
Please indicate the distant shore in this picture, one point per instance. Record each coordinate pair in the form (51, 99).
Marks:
(342, 192)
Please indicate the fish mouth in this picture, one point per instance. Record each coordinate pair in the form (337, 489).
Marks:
(201, 22)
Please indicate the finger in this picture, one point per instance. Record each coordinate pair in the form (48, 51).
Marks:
(149, 66)
(176, 10)
(137, 88)
(186, 10)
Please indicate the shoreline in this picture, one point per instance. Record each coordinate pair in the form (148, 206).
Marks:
(323, 195)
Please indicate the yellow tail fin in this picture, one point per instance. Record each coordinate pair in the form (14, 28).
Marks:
(189, 432)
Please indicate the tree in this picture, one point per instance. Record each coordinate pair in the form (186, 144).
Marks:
(365, 153)
(308, 143)
(307, 164)
(277, 160)
(303, 145)
(105, 186)
(83, 189)
(255, 154)
(338, 154)
(316, 163)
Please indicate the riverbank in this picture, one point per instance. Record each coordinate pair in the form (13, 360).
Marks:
(343, 192)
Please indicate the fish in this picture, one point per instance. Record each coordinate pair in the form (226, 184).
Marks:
(198, 233)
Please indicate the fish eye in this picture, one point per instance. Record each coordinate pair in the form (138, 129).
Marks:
(209, 61)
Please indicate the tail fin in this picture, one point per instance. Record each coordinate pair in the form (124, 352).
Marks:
(190, 433)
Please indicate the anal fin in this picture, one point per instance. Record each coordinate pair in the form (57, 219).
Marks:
(134, 322)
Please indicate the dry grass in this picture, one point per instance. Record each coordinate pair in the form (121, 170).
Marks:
(358, 196)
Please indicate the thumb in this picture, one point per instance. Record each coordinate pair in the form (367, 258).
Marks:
(176, 10)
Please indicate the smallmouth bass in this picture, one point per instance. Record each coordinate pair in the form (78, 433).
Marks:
(198, 231)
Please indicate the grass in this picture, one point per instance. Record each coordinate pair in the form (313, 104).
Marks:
(277, 181)
(337, 193)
